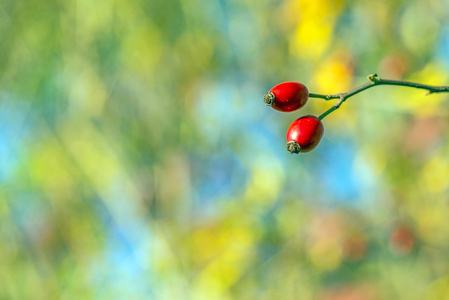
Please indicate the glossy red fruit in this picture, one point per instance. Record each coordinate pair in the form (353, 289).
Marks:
(304, 134)
(287, 96)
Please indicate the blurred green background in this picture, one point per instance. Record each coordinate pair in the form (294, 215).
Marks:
(138, 161)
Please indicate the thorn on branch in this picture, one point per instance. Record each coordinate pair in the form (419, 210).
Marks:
(340, 101)
(373, 77)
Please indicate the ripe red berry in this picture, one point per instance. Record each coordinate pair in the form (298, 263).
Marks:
(304, 134)
(287, 96)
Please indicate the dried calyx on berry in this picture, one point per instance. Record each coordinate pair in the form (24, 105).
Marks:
(269, 98)
(287, 96)
(293, 147)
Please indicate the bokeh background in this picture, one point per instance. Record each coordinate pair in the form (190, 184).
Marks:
(138, 160)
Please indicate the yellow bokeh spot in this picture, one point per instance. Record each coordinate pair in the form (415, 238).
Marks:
(142, 48)
(92, 19)
(227, 252)
(435, 175)
(94, 157)
(266, 181)
(334, 75)
(311, 39)
(439, 289)
(210, 242)
(51, 169)
(433, 226)
(313, 33)
(325, 254)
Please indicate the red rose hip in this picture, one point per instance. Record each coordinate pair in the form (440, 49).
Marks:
(287, 96)
(304, 134)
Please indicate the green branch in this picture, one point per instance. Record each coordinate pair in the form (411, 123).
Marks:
(375, 81)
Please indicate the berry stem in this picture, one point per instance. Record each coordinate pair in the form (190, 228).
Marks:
(375, 81)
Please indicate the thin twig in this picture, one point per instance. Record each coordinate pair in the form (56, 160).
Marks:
(375, 81)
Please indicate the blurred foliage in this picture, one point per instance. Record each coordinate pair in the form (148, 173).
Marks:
(137, 160)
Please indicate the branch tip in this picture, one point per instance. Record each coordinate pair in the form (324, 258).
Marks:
(374, 80)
